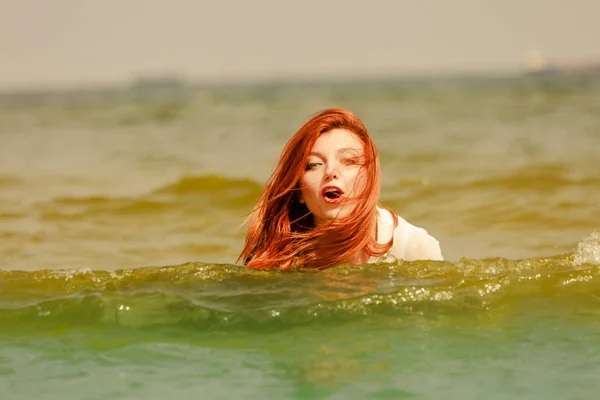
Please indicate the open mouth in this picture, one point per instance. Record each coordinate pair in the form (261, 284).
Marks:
(332, 194)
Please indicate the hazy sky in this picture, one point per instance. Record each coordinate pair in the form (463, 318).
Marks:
(72, 42)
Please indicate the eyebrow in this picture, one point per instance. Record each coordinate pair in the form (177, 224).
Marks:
(340, 151)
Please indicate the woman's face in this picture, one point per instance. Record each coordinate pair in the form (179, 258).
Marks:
(334, 177)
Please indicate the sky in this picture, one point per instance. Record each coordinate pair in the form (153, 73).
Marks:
(69, 43)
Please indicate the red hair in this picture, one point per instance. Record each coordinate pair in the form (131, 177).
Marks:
(281, 230)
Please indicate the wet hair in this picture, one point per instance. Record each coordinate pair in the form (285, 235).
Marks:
(281, 229)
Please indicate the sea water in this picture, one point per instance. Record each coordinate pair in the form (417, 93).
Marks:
(121, 217)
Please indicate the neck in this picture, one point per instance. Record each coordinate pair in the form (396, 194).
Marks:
(360, 257)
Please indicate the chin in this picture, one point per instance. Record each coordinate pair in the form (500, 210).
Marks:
(337, 213)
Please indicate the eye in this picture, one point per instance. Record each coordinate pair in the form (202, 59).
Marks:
(311, 166)
(350, 161)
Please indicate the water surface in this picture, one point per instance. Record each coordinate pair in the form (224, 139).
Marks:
(120, 222)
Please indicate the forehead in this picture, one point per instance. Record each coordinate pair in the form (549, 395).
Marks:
(336, 139)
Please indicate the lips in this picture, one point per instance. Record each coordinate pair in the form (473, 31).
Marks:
(332, 194)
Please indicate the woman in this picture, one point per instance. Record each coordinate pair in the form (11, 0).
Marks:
(320, 206)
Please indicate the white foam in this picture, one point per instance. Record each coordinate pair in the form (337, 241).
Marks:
(588, 250)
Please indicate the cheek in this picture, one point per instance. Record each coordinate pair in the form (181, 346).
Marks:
(308, 185)
(359, 181)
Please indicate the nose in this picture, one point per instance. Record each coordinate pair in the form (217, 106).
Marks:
(332, 172)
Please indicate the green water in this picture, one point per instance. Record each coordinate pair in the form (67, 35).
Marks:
(120, 219)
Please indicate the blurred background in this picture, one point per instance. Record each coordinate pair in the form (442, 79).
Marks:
(137, 133)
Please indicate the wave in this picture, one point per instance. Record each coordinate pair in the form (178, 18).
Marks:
(541, 178)
(7, 181)
(186, 194)
(214, 296)
(209, 184)
(543, 197)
